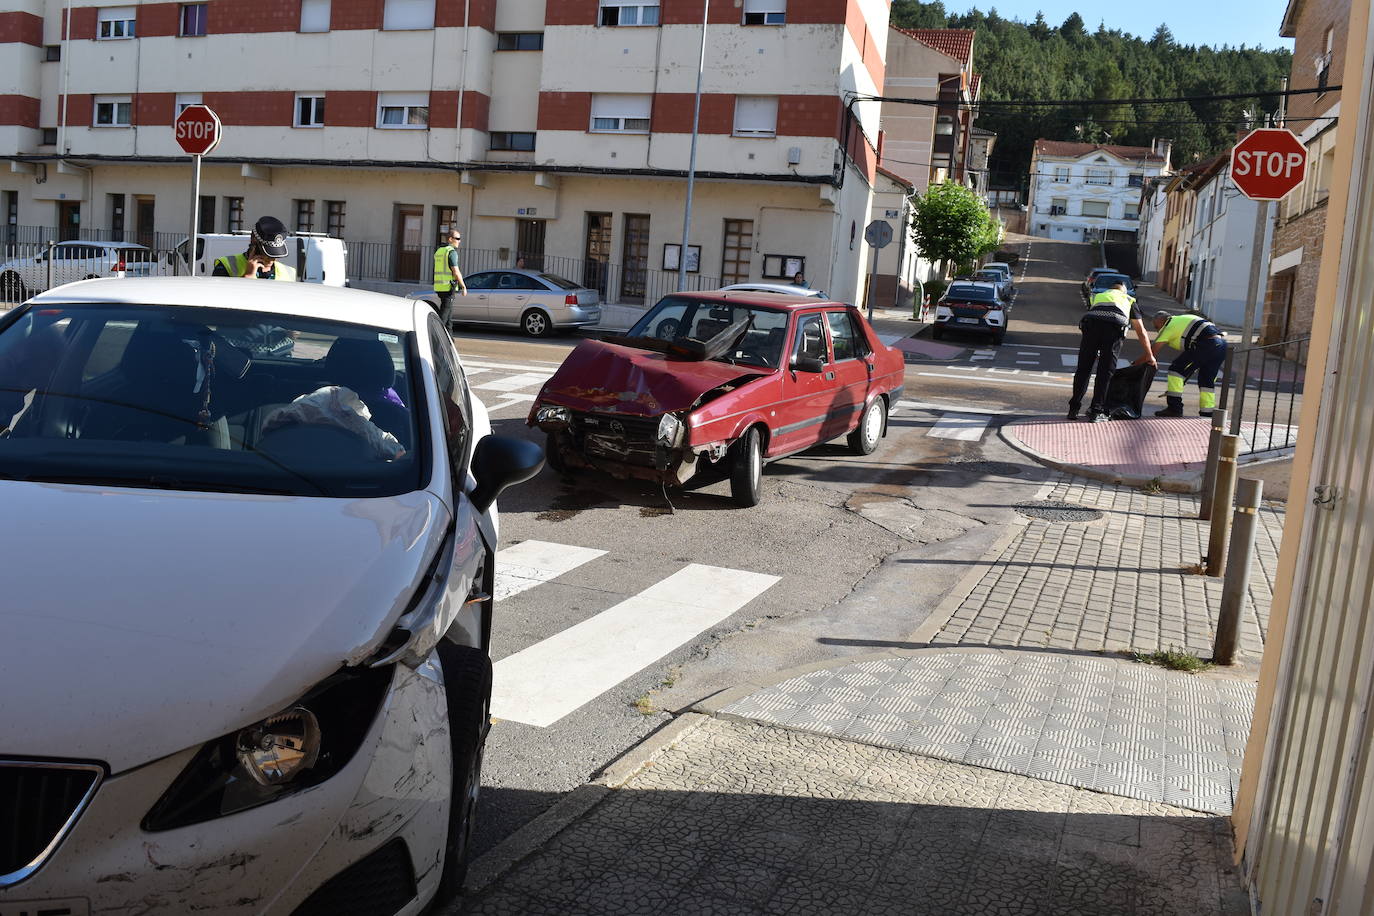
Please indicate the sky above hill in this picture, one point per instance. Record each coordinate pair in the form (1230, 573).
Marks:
(1234, 22)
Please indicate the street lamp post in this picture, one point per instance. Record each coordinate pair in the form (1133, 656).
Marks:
(692, 155)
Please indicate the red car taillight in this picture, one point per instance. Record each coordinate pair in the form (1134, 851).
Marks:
(570, 299)
(970, 305)
(119, 267)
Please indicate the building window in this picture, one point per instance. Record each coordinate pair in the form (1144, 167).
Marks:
(310, 110)
(1096, 207)
(113, 111)
(522, 141)
(629, 12)
(49, 136)
(1135, 180)
(315, 15)
(193, 19)
(621, 114)
(206, 223)
(334, 218)
(1061, 174)
(765, 12)
(1099, 176)
(520, 41)
(403, 110)
(1059, 206)
(116, 22)
(305, 216)
(408, 14)
(1132, 211)
(186, 100)
(756, 116)
(233, 214)
(52, 52)
(445, 218)
(1323, 62)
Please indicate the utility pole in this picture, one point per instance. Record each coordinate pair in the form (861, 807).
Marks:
(692, 156)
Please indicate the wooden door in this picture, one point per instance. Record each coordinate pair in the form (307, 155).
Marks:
(68, 220)
(529, 244)
(597, 254)
(143, 222)
(737, 251)
(409, 226)
(635, 257)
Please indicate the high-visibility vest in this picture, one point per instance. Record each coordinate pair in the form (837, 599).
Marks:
(443, 274)
(1182, 331)
(235, 264)
(1114, 298)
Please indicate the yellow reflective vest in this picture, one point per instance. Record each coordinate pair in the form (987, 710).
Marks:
(443, 274)
(235, 264)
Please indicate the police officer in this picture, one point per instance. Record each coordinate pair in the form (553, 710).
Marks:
(1104, 325)
(447, 275)
(266, 245)
(1204, 351)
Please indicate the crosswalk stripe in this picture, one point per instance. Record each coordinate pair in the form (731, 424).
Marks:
(966, 426)
(512, 382)
(998, 381)
(931, 405)
(527, 564)
(543, 683)
(523, 367)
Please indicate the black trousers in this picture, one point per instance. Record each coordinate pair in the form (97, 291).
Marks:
(446, 305)
(1100, 346)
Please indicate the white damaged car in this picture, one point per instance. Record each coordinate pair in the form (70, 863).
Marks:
(247, 600)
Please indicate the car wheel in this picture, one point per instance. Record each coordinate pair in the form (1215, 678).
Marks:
(467, 685)
(746, 469)
(536, 323)
(12, 288)
(936, 333)
(667, 329)
(553, 456)
(864, 438)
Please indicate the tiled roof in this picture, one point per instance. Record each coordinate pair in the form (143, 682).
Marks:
(957, 43)
(1069, 148)
(974, 82)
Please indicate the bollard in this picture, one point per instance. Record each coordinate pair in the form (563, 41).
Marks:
(1209, 470)
(1237, 582)
(51, 251)
(1223, 490)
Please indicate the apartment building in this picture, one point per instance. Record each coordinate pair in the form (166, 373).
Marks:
(558, 132)
(926, 141)
(1319, 29)
(1222, 246)
(1086, 191)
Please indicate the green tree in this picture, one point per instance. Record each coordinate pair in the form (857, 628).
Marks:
(951, 224)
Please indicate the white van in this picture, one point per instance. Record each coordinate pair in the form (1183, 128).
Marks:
(316, 256)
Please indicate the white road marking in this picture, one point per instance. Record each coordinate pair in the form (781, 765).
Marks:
(527, 564)
(984, 354)
(1027, 352)
(1000, 381)
(963, 368)
(543, 683)
(966, 426)
(890, 339)
(512, 382)
(1071, 362)
(523, 367)
(1028, 362)
(509, 400)
(931, 405)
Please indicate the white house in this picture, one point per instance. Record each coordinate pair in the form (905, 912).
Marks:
(1086, 191)
(1222, 246)
(1150, 236)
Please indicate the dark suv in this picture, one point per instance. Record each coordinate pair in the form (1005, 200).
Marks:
(972, 307)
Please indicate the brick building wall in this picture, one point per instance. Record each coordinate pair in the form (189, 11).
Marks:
(1292, 292)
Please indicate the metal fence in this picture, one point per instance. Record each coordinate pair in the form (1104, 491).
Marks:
(28, 268)
(1262, 388)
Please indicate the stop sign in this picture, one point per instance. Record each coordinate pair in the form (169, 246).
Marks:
(197, 129)
(1268, 163)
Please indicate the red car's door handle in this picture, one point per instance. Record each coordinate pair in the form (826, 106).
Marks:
(830, 376)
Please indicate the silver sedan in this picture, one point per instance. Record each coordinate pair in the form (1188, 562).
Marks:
(536, 302)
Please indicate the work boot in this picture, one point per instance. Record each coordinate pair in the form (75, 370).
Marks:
(1174, 408)
(1097, 416)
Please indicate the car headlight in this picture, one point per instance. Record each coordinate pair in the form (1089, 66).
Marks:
(295, 749)
(669, 430)
(552, 415)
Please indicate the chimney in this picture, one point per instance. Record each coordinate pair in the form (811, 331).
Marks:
(1163, 148)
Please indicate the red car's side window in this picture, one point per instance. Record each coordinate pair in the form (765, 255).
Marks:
(811, 337)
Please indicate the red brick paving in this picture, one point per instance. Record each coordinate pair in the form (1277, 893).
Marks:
(1162, 447)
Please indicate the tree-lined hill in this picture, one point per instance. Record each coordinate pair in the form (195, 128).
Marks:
(1040, 61)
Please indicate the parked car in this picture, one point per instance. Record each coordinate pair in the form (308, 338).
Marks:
(75, 260)
(971, 307)
(718, 383)
(784, 289)
(247, 600)
(1092, 274)
(317, 257)
(1005, 270)
(538, 303)
(1107, 281)
(1005, 289)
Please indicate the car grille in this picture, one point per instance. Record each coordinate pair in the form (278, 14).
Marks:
(39, 802)
(633, 440)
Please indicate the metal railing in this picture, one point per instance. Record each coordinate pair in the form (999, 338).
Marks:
(1262, 388)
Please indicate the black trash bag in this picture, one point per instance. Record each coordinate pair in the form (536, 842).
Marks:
(1128, 390)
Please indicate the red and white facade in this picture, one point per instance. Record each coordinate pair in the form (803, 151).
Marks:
(558, 128)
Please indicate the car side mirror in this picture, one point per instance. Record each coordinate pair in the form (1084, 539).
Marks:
(500, 462)
(808, 363)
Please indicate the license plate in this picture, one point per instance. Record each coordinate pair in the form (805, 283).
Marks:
(76, 906)
(968, 320)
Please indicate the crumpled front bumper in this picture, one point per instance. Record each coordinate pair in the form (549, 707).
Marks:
(269, 859)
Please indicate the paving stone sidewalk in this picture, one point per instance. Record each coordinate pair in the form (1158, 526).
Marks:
(741, 818)
(1116, 583)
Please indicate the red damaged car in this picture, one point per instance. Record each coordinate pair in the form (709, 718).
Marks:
(718, 383)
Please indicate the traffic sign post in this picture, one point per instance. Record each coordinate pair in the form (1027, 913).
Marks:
(878, 234)
(198, 131)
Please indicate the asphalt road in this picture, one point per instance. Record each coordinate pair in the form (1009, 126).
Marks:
(624, 604)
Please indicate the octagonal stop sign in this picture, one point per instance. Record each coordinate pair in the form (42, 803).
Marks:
(1268, 163)
(197, 129)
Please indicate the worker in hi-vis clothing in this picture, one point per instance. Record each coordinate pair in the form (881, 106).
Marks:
(1204, 351)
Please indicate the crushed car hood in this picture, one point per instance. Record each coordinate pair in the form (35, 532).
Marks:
(610, 378)
(137, 623)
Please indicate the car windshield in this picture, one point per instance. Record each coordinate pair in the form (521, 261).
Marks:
(207, 399)
(679, 319)
(560, 282)
(967, 293)
(989, 275)
(1102, 281)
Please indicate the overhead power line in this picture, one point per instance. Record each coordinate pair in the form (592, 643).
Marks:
(1107, 103)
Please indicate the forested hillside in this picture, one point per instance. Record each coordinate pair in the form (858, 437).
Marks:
(1039, 61)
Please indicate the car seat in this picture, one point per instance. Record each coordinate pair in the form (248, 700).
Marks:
(162, 397)
(366, 367)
